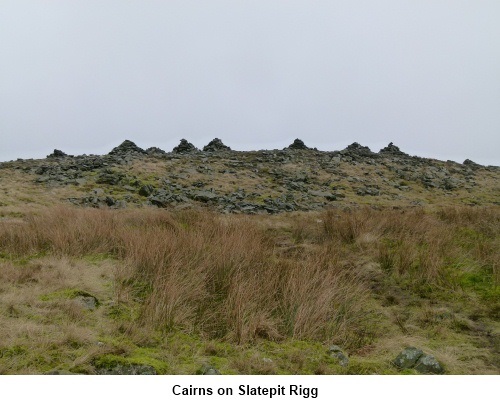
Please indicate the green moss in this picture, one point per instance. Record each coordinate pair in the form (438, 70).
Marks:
(14, 351)
(96, 258)
(481, 282)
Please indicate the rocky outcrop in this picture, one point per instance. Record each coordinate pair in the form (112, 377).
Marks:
(471, 164)
(185, 147)
(271, 181)
(215, 145)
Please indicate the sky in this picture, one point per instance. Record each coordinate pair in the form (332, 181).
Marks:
(84, 75)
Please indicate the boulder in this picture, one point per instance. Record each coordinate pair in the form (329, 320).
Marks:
(204, 196)
(414, 358)
(208, 370)
(87, 302)
(368, 191)
(427, 364)
(408, 357)
(146, 190)
(336, 352)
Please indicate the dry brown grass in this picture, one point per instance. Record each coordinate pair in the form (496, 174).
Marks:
(239, 280)
(418, 244)
(200, 272)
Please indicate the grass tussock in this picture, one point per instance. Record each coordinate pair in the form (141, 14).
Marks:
(422, 247)
(355, 278)
(217, 276)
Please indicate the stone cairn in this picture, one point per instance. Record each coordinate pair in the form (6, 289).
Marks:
(184, 147)
(215, 145)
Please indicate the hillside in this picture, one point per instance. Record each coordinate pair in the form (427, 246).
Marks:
(293, 261)
(294, 179)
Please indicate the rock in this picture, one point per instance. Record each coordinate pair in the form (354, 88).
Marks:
(298, 144)
(408, 357)
(127, 148)
(336, 352)
(155, 151)
(185, 147)
(146, 190)
(208, 370)
(160, 200)
(110, 201)
(215, 145)
(87, 301)
(128, 369)
(205, 196)
(427, 364)
(368, 191)
(471, 164)
(108, 176)
(325, 194)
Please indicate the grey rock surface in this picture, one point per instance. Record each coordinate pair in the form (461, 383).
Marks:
(428, 364)
(408, 357)
(337, 352)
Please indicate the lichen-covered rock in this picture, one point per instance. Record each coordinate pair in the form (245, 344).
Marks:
(204, 196)
(428, 364)
(146, 190)
(87, 302)
(208, 370)
(336, 352)
(408, 357)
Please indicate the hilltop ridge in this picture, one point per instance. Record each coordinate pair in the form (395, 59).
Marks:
(296, 178)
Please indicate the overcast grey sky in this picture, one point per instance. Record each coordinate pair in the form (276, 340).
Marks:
(82, 76)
